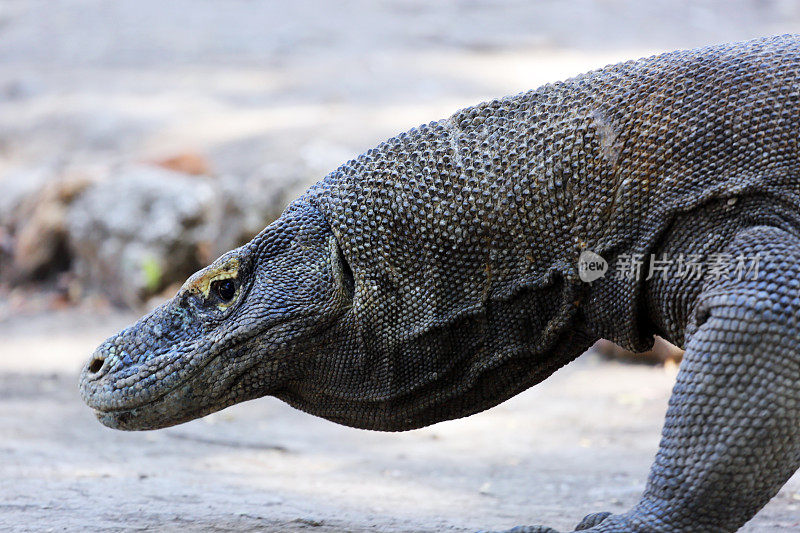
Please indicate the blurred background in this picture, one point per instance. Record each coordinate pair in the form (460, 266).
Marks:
(141, 139)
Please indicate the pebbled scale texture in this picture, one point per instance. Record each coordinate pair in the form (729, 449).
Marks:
(436, 276)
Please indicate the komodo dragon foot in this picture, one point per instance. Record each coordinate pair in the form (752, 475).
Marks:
(588, 521)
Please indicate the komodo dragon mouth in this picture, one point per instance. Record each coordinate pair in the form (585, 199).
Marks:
(128, 403)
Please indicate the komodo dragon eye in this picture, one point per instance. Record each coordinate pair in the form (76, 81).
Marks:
(224, 289)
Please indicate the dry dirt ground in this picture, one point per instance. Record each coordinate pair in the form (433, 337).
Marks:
(580, 442)
(299, 87)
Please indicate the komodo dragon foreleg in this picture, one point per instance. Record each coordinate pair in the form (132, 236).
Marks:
(730, 439)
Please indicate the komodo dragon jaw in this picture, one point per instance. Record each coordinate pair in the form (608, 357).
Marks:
(235, 330)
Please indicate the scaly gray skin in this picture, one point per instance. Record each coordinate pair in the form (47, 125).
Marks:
(436, 276)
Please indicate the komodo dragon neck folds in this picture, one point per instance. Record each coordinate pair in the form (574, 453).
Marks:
(440, 273)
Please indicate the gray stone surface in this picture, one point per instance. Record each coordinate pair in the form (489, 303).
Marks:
(140, 230)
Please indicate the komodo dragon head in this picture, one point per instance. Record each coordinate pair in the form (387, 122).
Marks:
(239, 329)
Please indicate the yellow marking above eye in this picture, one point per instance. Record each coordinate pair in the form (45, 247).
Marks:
(200, 283)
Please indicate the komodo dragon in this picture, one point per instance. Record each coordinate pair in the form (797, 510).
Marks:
(437, 275)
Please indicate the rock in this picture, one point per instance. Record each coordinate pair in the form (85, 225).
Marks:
(137, 233)
(41, 247)
(130, 234)
(40, 244)
(19, 186)
(33, 237)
